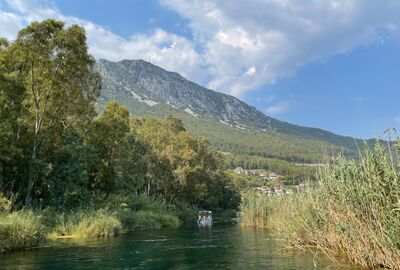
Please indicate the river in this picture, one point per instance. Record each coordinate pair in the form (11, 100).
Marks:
(220, 247)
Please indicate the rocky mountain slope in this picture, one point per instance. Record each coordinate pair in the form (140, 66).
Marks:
(151, 85)
(150, 90)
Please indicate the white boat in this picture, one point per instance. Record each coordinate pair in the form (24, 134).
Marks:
(205, 218)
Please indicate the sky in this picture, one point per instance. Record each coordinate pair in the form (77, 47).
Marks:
(331, 64)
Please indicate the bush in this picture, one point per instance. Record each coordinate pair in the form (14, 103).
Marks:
(147, 220)
(185, 212)
(141, 212)
(20, 230)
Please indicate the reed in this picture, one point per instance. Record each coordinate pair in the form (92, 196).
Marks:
(22, 229)
(254, 208)
(99, 225)
(353, 210)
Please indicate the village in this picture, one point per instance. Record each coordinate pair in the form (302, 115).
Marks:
(270, 182)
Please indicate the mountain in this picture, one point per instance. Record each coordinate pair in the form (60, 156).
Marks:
(147, 89)
(151, 84)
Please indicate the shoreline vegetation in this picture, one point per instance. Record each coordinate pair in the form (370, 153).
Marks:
(67, 170)
(352, 211)
(32, 228)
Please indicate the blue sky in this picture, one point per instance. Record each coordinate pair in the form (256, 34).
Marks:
(332, 64)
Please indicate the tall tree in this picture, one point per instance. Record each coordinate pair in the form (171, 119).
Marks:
(11, 95)
(57, 71)
(109, 132)
(11, 108)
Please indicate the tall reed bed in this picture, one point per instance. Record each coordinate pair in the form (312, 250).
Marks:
(254, 209)
(353, 210)
(22, 229)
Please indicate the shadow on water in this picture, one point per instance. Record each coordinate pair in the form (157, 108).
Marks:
(219, 247)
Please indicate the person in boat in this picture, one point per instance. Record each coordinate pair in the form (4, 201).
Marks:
(205, 218)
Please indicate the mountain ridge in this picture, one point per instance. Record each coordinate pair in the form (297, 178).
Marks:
(154, 84)
(150, 86)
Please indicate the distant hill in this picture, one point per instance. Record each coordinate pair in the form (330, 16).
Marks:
(230, 124)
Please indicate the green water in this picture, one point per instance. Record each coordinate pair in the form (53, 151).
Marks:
(221, 247)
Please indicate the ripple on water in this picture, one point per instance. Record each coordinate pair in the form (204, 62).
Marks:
(220, 247)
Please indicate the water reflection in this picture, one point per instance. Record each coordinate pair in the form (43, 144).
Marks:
(185, 248)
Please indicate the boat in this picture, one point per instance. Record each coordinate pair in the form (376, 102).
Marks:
(205, 218)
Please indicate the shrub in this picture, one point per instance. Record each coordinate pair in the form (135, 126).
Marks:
(148, 220)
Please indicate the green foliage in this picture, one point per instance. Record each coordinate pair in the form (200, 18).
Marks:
(22, 229)
(292, 173)
(109, 131)
(147, 219)
(243, 182)
(185, 170)
(11, 96)
(288, 147)
(56, 85)
(67, 182)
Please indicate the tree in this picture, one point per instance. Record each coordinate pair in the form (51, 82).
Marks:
(11, 96)
(131, 163)
(66, 186)
(184, 168)
(53, 64)
(11, 108)
(109, 132)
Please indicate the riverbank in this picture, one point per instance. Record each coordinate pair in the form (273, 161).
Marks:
(352, 210)
(118, 214)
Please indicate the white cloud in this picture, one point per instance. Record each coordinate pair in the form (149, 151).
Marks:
(165, 49)
(236, 47)
(279, 37)
(251, 71)
(10, 24)
(280, 107)
(397, 120)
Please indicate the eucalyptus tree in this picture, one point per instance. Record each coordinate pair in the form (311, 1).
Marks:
(53, 64)
(11, 96)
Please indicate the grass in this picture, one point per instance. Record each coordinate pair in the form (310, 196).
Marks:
(22, 229)
(99, 225)
(115, 214)
(353, 210)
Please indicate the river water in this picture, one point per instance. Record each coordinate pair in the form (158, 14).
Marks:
(219, 247)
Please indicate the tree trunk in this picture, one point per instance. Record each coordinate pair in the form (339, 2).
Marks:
(1, 176)
(32, 174)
